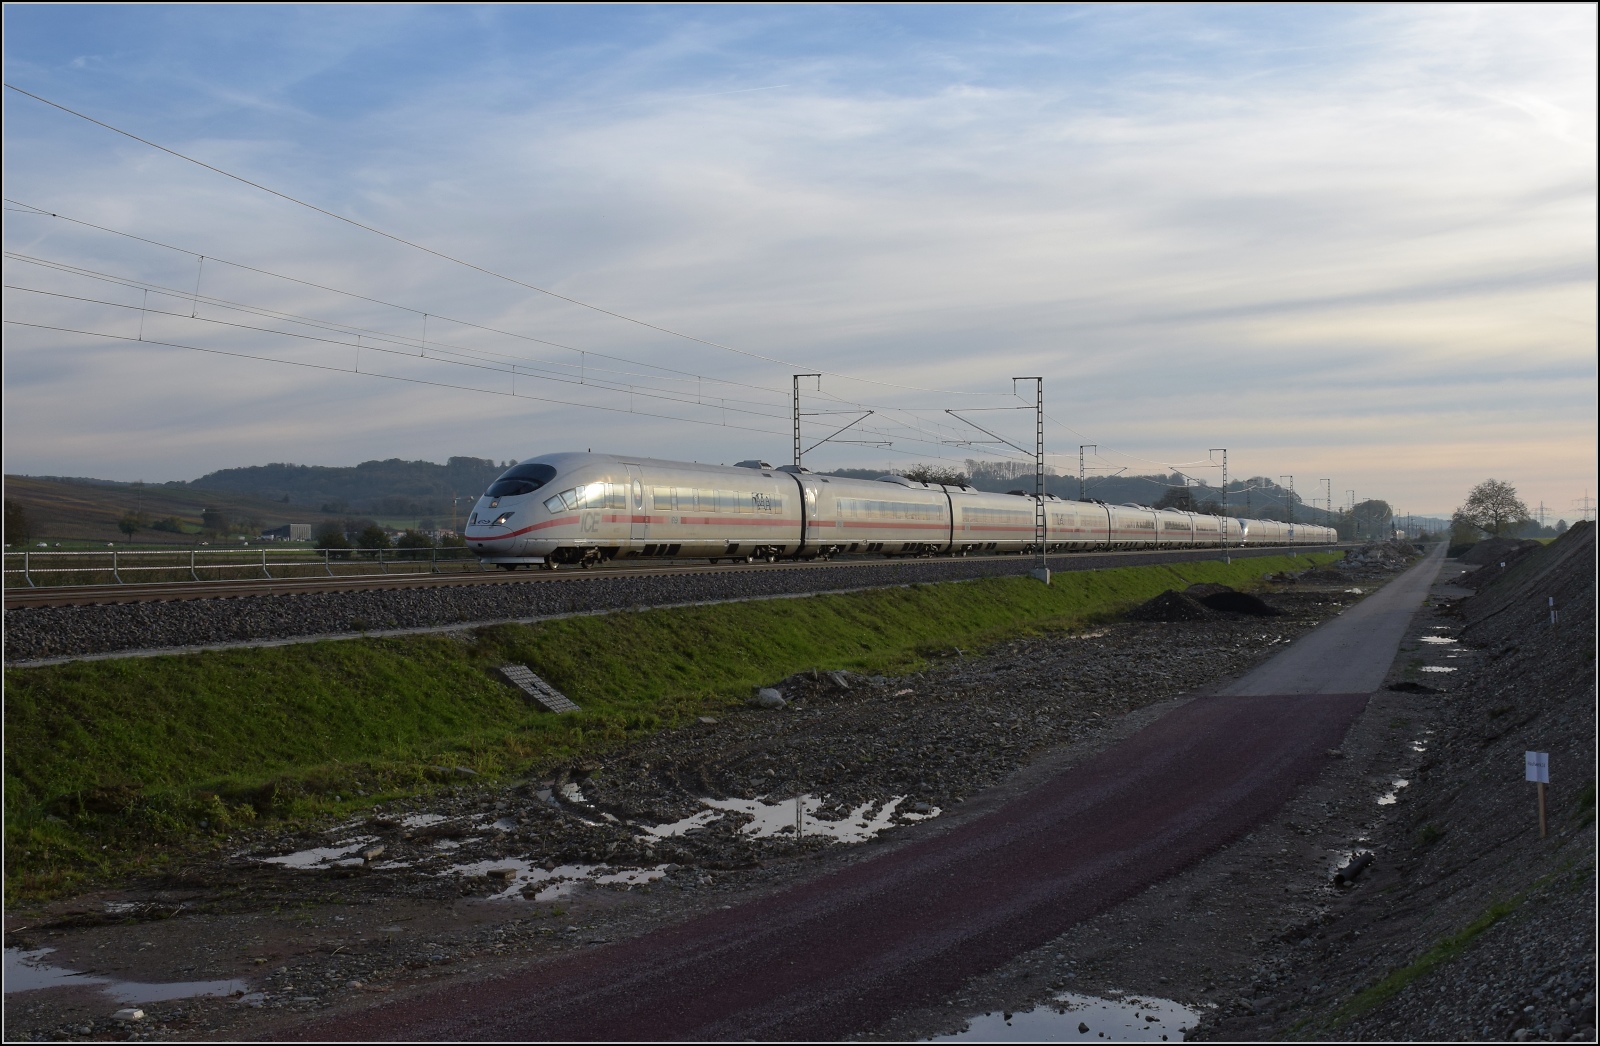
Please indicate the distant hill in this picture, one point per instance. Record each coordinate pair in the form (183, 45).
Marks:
(389, 488)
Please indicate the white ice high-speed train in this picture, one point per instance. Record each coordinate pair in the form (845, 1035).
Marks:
(585, 508)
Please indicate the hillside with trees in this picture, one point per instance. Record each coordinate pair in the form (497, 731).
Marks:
(389, 488)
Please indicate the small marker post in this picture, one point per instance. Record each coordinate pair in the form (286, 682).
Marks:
(1537, 769)
(1552, 610)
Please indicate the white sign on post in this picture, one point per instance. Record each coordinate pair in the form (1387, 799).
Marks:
(1538, 766)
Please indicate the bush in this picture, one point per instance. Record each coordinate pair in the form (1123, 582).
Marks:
(330, 536)
(413, 541)
(372, 536)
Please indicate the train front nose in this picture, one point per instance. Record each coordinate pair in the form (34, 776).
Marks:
(506, 507)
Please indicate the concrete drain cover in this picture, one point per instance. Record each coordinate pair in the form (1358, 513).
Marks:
(522, 676)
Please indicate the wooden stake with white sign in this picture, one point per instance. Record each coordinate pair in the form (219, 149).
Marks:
(1537, 769)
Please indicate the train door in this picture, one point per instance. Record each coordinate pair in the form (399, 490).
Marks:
(639, 527)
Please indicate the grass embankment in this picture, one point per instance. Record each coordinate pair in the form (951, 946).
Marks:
(114, 766)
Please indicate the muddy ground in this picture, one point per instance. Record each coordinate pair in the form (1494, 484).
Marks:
(479, 880)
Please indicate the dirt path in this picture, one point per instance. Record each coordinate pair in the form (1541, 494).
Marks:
(844, 953)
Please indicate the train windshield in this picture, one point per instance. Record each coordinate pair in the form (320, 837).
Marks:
(522, 479)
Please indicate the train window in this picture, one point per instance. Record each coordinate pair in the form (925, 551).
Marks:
(661, 499)
(521, 479)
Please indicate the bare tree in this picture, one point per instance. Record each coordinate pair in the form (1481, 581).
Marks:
(1492, 507)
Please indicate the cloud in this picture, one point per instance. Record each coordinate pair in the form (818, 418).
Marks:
(1299, 234)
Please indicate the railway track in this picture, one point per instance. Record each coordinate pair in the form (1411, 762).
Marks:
(90, 595)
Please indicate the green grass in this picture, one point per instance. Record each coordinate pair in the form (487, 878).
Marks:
(120, 765)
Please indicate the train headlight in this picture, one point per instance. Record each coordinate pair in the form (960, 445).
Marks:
(501, 518)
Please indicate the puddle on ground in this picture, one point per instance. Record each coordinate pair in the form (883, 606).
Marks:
(1389, 798)
(26, 972)
(339, 855)
(559, 881)
(782, 817)
(1353, 591)
(1076, 1018)
(421, 820)
(1438, 640)
(1436, 668)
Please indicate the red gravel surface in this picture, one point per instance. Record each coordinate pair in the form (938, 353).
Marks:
(841, 954)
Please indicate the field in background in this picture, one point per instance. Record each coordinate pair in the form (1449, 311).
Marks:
(86, 511)
(119, 765)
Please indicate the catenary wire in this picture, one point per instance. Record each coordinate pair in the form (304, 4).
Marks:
(389, 377)
(471, 265)
(688, 375)
(467, 362)
(921, 437)
(440, 350)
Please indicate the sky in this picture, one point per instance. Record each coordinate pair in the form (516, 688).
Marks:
(1353, 243)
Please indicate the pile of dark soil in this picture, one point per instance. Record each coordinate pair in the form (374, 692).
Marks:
(1169, 606)
(1240, 603)
(1204, 589)
(1493, 550)
(1509, 556)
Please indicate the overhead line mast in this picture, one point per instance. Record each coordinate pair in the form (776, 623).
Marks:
(1042, 564)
